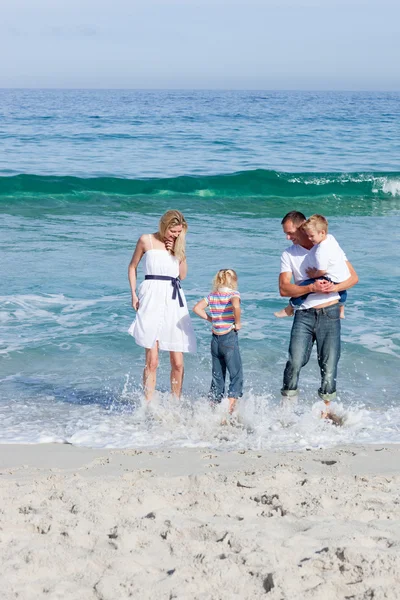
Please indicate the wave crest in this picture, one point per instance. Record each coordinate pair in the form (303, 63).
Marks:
(258, 192)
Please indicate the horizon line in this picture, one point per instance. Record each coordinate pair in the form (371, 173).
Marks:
(205, 89)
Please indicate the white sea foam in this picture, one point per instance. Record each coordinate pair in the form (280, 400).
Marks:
(392, 186)
(38, 319)
(261, 423)
(205, 193)
(33, 301)
(385, 184)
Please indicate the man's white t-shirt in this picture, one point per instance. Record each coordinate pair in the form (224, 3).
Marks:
(296, 260)
(328, 256)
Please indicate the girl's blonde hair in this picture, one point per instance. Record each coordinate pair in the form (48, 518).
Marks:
(173, 218)
(225, 278)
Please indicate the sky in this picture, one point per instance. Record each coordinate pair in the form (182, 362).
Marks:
(208, 44)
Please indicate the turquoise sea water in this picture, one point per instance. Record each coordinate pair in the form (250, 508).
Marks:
(84, 173)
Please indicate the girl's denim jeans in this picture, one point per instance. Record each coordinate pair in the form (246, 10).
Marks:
(225, 355)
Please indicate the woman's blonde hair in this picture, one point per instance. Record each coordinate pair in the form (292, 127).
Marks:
(173, 218)
(225, 278)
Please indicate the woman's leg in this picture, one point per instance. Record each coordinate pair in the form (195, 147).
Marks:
(177, 372)
(150, 372)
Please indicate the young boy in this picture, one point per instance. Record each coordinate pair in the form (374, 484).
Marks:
(327, 258)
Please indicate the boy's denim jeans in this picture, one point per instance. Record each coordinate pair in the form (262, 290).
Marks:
(323, 326)
(295, 302)
(226, 356)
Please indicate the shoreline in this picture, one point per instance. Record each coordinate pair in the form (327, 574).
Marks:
(363, 458)
(194, 523)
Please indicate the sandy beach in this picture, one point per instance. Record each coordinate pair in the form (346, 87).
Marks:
(189, 523)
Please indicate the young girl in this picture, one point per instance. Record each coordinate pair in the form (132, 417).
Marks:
(224, 306)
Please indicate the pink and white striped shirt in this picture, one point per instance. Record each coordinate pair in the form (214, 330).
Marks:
(221, 309)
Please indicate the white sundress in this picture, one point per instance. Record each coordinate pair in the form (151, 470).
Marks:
(160, 317)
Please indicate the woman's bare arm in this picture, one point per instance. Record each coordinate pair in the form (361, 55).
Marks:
(183, 269)
(132, 269)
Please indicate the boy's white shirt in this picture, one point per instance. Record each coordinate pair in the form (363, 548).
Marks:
(328, 256)
(295, 260)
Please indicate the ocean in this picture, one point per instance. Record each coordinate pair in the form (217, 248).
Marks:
(83, 173)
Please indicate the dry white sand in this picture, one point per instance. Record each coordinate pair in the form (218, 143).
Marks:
(108, 525)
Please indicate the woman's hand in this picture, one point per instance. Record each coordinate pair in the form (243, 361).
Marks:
(238, 326)
(135, 302)
(169, 244)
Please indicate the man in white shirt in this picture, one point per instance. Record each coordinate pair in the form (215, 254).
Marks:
(317, 319)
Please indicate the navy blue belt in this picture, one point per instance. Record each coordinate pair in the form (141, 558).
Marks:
(176, 284)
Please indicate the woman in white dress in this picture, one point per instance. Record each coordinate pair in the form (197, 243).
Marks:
(162, 318)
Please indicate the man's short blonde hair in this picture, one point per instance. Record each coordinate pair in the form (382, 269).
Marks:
(316, 223)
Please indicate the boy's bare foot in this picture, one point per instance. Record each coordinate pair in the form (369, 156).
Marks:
(288, 311)
(342, 312)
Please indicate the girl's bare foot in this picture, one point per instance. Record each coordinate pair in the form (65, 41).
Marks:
(288, 311)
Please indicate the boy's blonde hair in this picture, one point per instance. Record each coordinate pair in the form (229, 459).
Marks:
(317, 223)
(173, 218)
(225, 278)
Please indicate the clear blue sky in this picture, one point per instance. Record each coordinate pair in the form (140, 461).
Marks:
(263, 44)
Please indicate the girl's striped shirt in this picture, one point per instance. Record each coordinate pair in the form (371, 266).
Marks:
(221, 309)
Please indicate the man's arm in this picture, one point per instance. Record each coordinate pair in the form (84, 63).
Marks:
(291, 290)
(347, 283)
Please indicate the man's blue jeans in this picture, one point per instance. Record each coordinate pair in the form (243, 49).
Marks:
(226, 357)
(323, 326)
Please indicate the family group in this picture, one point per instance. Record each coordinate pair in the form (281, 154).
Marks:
(315, 275)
